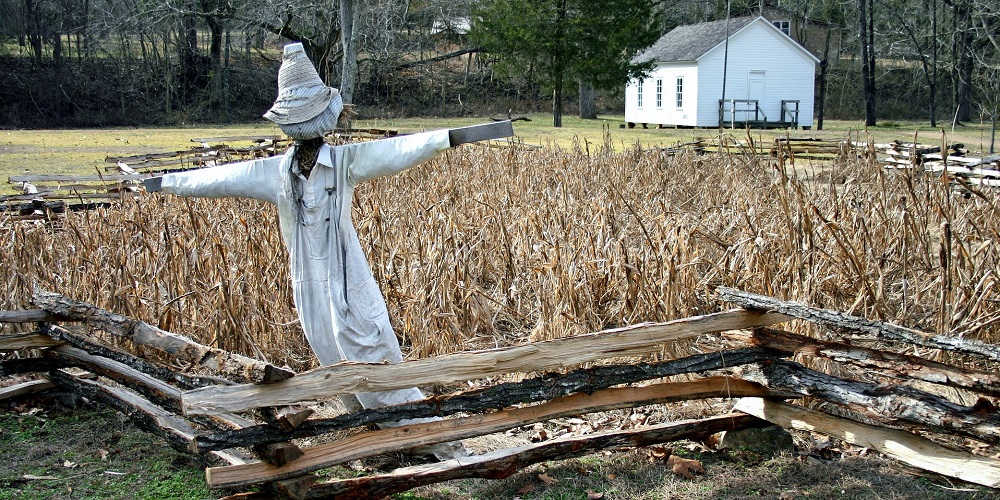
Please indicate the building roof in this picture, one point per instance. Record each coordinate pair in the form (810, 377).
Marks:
(688, 43)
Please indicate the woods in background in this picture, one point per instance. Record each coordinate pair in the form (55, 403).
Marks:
(136, 62)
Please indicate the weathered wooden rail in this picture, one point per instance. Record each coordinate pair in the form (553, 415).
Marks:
(781, 147)
(197, 411)
(48, 196)
(955, 163)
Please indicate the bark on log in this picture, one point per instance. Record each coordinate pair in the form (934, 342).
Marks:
(897, 365)
(504, 463)
(888, 404)
(402, 438)
(29, 387)
(157, 391)
(548, 386)
(18, 341)
(904, 446)
(30, 316)
(92, 346)
(233, 365)
(878, 329)
(350, 378)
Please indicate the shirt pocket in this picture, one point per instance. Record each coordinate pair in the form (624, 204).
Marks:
(316, 231)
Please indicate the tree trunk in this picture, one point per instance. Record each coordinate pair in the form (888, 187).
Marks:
(588, 110)
(349, 74)
(825, 63)
(557, 105)
(867, 68)
(559, 69)
(962, 62)
(188, 55)
(934, 63)
(33, 29)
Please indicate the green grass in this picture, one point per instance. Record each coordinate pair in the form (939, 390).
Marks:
(91, 454)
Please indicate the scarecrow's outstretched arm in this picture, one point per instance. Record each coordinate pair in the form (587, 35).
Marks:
(482, 132)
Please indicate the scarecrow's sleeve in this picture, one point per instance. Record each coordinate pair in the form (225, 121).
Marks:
(368, 160)
(257, 179)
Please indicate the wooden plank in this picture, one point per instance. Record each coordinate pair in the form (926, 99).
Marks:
(81, 196)
(74, 178)
(499, 396)
(896, 365)
(888, 404)
(24, 388)
(18, 341)
(155, 156)
(252, 138)
(157, 391)
(350, 378)
(402, 438)
(504, 463)
(878, 329)
(233, 365)
(901, 445)
(94, 347)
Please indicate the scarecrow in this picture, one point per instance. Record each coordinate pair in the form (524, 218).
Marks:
(339, 304)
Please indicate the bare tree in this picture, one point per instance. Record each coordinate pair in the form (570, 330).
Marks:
(866, 35)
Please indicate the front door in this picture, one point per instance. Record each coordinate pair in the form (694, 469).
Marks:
(755, 87)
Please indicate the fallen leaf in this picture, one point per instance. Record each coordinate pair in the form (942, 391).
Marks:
(788, 495)
(685, 467)
(594, 495)
(103, 453)
(32, 477)
(713, 440)
(527, 488)
(69, 465)
(547, 479)
(657, 453)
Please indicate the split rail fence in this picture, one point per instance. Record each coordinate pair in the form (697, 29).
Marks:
(955, 163)
(225, 402)
(806, 148)
(48, 196)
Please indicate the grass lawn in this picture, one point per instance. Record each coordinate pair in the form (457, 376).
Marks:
(83, 151)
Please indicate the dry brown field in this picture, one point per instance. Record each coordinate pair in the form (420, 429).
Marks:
(489, 247)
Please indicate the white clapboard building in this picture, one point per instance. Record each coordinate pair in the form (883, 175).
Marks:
(769, 78)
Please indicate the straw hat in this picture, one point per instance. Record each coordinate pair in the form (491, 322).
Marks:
(301, 93)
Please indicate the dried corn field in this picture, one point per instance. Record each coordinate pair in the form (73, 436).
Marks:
(484, 247)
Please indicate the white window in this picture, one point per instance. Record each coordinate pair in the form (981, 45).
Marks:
(639, 93)
(680, 92)
(784, 26)
(659, 94)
